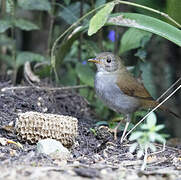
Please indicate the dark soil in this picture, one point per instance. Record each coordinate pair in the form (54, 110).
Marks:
(94, 156)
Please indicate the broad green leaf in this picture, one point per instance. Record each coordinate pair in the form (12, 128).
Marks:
(135, 135)
(133, 38)
(151, 120)
(85, 73)
(25, 25)
(4, 25)
(100, 18)
(147, 23)
(42, 5)
(23, 57)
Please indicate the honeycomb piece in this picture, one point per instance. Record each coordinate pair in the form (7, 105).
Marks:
(33, 126)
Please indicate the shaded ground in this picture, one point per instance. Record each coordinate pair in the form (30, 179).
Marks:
(98, 157)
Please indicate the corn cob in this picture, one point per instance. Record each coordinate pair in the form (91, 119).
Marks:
(33, 126)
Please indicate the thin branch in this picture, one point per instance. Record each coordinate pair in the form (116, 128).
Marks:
(152, 111)
(43, 88)
(150, 9)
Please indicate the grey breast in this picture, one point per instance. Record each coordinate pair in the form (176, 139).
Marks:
(108, 91)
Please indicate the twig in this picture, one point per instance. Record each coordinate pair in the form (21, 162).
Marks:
(44, 88)
(152, 111)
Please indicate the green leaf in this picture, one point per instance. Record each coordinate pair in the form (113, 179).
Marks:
(42, 5)
(147, 23)
(151, 120)
(4, 25)
(85, 73)
(159, 127)
(133, 38)
(159, 138)
(25, 25)
(152, 136)
(100, 18)
(144, 126)
(23, 57)
(135, 135)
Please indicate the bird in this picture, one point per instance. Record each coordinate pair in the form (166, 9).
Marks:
(119, 89)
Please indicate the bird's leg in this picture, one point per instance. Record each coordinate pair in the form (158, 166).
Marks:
(115, 130)
(128, 119)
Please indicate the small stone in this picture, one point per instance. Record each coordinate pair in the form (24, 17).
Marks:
(53, 148)
(104, 171)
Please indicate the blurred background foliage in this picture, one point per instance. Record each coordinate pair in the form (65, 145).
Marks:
(28, 29)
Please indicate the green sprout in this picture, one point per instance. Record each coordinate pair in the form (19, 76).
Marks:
(146, 137)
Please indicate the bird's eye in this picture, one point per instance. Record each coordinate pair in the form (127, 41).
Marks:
(108, 60)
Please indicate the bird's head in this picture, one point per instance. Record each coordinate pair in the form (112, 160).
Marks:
(107, 62)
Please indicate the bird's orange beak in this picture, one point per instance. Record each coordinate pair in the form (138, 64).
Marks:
(94, 61)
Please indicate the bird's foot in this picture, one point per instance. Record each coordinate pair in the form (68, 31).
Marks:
(114, 131)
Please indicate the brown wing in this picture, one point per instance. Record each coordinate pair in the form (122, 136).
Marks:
(132, 87)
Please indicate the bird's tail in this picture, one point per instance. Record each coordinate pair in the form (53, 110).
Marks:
(152, 104)
(165, 109)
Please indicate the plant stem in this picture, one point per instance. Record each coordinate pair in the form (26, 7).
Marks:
(149, 9)
(51, 27)
(145, 159)
(12, 13)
